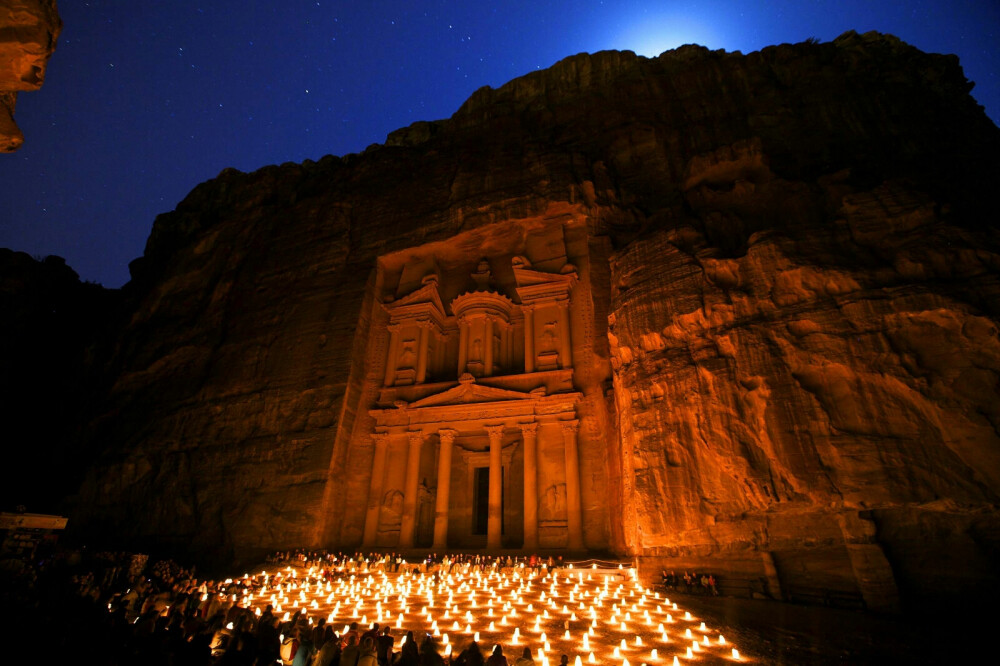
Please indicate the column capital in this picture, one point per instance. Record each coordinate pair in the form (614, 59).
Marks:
(570, 427)
(394, 327)
(528, 429)
(380, 437)
(494, 432)
(415, 436)
(447, 435)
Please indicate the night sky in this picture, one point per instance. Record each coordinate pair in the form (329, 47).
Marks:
(144, 100)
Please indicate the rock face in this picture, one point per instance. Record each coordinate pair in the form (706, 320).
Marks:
(28, 32)
(783, 318)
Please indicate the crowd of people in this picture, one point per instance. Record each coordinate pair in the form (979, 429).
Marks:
(116, 608)
(396, 563)
(704, 583)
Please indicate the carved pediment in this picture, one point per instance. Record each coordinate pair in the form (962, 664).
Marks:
(427, 294)
(468, 392)
(535, 285)
(528, 276)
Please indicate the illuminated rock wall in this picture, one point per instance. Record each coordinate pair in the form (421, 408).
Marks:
(786, 345)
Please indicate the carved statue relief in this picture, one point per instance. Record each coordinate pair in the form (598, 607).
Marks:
(425, 510)
(483, 276)
(553, 503)
(392, 510)
(550, 338)
(496, 350)
(408, 353)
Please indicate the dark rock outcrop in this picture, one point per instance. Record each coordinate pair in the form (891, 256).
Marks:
(792, 367)
(55, 335)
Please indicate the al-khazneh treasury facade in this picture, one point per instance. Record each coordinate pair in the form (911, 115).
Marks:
(479, 431)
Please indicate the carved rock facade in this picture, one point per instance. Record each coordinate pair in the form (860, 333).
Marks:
(739, 313)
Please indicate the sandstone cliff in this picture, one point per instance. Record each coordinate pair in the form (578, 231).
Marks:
(28, 32)
(789, 354)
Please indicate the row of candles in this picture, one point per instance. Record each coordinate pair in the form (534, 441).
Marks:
(602, 618)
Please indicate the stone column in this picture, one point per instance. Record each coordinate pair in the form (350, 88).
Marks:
(463, 345)
(422, 354)
(529, 339)
(381, 440)
(574, 505)
(408, 525)
(443, 490)
(494, 524)
(528, 432)
(565, 343)
(488, 347)
(390, 361)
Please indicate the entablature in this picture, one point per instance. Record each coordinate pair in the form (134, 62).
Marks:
(549, 382)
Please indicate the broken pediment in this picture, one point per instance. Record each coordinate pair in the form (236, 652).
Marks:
(468, 392)
(424, 301)
(534, 286)
(428, 293)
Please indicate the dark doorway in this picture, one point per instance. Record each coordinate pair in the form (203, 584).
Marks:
(481, 500)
